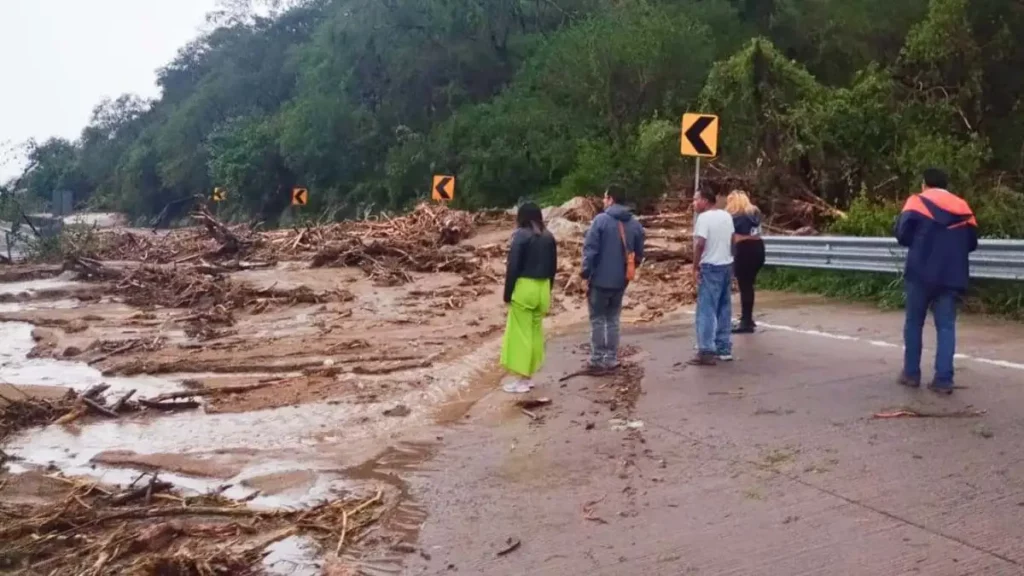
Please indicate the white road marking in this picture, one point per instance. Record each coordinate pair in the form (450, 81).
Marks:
(881, 344)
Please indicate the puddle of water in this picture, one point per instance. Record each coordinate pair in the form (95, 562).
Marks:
(307, 437)
(16, 368)
(393, 467)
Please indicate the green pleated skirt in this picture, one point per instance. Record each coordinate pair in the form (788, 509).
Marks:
(522, 348)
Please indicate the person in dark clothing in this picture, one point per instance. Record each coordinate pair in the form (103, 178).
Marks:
(940, 231)
(749, 254)
(529, 277)
(614, 236)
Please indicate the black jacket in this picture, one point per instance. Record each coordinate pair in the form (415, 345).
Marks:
(531, 255)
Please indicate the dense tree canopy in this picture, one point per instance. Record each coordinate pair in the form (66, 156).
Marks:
(823, 101)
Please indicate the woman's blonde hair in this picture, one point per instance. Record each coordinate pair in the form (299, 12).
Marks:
(739, 203)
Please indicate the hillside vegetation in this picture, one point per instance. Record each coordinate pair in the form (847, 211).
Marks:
(823, 102)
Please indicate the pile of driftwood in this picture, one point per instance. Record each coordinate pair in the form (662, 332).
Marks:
(146, 247)
(389, 263)
(146, 528)
(201, 286)
(428, 225)
(170, 247)
(387, 249)
(19, 410)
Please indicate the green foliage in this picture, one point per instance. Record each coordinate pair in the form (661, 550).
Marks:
(867, 217)
(886, 290)
(998, 211)
(362, 101)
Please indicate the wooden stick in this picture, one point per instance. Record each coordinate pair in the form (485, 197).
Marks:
(168, 406)
(101, 410)
(70, 416)
(344, 531)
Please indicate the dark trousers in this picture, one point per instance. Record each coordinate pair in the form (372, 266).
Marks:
(605, 308)
(747, 263)
(942, 302)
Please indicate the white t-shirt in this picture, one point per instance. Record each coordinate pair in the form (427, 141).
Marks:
(716, 228)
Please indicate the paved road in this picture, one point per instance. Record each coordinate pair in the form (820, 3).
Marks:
(771, 465)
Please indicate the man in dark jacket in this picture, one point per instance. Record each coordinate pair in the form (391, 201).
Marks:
(612, 234)
(940, 231)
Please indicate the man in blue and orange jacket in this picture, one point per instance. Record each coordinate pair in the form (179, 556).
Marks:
(940, 231)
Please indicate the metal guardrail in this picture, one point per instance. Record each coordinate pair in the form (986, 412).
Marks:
(996, 259)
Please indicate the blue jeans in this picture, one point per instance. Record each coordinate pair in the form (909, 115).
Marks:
(605, 308)
(943, 302)
(714, 309)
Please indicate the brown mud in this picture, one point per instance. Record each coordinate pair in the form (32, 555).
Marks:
(271, 369)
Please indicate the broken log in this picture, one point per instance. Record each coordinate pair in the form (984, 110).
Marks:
(168, 406)
(229, 242)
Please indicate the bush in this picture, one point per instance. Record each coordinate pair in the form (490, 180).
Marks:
(867, 217)
(997, 209)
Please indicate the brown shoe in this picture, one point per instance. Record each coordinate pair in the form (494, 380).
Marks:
(703, 359)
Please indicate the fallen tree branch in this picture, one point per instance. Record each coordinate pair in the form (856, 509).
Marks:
(210, 392)
(168, 406)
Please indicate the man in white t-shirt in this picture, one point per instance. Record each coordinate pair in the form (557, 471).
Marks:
(712, 269)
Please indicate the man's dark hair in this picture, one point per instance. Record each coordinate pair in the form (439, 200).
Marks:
(530, 216)
(616, 192)
(708, 194)
(935, 178)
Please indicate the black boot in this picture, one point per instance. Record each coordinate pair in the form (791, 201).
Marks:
(744, 326)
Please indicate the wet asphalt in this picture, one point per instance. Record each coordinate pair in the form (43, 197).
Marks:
(776, 464)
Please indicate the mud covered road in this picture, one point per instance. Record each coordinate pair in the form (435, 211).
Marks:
(774, 464)
(327, 401)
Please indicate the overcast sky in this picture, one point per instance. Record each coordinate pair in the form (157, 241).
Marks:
(59, 58)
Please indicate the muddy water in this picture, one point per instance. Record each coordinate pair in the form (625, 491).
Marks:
(290, 457)
(293, 556)
(16, 342)
(16, 368)
(242, 446)
(35, 287)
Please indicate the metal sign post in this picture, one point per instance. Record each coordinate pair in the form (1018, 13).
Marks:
(696, 176)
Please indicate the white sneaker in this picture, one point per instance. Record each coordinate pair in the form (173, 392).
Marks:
(726, 357)
(516, 386)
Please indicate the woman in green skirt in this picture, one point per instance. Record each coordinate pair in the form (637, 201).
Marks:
(532, 263)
